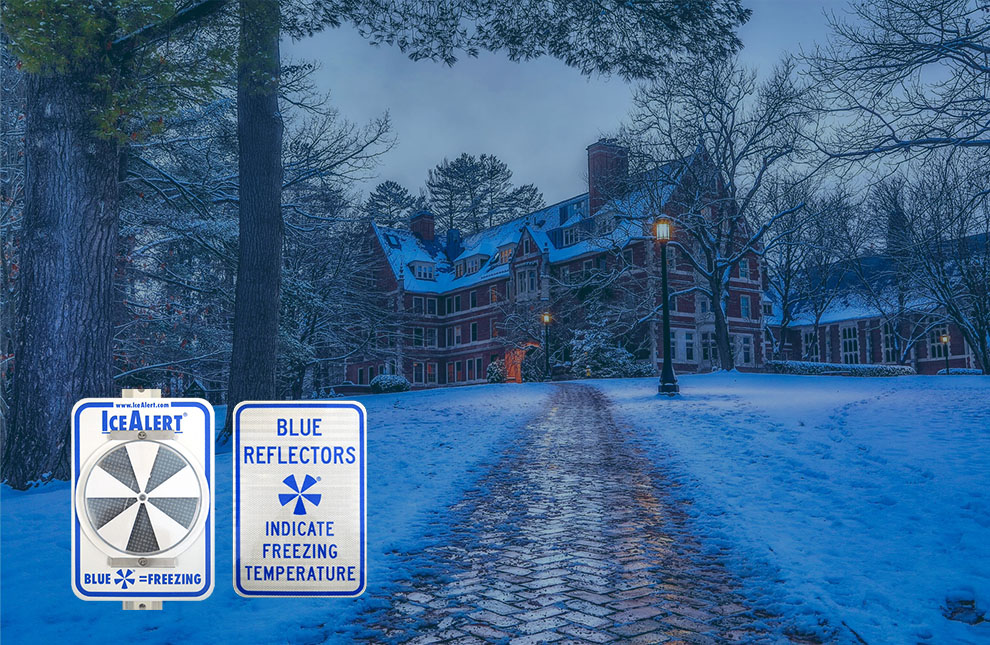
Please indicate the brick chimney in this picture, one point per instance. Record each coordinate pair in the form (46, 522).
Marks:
(608, 165)
(423, 225)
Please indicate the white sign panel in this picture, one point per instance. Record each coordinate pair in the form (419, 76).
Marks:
(142, 499)
(299, 498)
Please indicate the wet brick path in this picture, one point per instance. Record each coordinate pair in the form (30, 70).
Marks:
(570, 539)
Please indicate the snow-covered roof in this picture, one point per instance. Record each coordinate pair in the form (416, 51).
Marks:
(614, 226)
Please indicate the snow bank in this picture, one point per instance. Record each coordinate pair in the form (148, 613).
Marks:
(866, 501)
(424, 449)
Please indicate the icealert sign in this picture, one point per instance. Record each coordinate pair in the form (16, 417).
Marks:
(299, 498)
(142, 499)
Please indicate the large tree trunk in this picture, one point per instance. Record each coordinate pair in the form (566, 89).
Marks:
(259, 134)
(67, 262)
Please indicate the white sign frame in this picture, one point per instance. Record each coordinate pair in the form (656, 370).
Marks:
(86, 549)
(296, 407)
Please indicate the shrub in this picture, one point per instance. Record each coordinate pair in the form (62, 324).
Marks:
(385, 383)
(806, 368)
(593, 349)
(496, 371)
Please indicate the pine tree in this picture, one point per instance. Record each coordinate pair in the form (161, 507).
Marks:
(472, 193)
(390, 204)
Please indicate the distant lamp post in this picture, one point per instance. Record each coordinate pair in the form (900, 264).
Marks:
(546, 342)
(944, 339)
(668, 382)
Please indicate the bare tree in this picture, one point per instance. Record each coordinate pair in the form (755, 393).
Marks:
(717, 134)
(906, 76)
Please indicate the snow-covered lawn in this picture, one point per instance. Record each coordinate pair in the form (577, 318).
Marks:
(865, 500)
(424, 449)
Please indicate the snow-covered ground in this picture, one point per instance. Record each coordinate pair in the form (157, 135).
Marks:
(424, 449)
(864, 500)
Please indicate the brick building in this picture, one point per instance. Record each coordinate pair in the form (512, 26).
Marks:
(453, 292)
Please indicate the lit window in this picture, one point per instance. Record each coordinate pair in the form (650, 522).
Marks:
(936, 348)
(493, 294)
(459, 269)
(431, 372)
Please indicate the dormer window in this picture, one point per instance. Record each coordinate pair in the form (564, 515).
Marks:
(569, 236)
(459, 269)
(473, 264)
(423, 271)
(526, 246)
(505, 255)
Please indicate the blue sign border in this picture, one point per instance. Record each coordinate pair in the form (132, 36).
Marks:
(237, 499)
(209, 481)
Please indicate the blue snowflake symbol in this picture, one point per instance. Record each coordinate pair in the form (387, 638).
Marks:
(124, 579)
(299, 494)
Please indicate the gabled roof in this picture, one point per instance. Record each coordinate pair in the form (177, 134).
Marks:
(545, 226)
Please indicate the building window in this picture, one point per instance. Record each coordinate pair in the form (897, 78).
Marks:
(709, 350)
(360, 376)
(417, 372)
(588, 266)
(869, 345)
(473, 299)
(493, 332)
(457, 303)
(450, 305)
(417, 304)
(532, 281)
(703, 304)
(520, 282)
(671, 258)
(493, 294)
(459, 368)
(767, 308)
(850, 345)
(457, 335)
(473, 265)
(565, 275)
(450, 336)
(744, 310)
(936, 348)
(431, 306)
(459, 269)
(673, 345)
(371, 373)
(417, 336)
(747, 349)
(450, 372)
(569, 236)
(505, 255)
(431, 337)
(423, 271)
(889, 344)
(431, 372)
(828, 345)
(474, 331)
(688, 346)
(478, 369)
(526, 247)
(470, 370)
(744, 269)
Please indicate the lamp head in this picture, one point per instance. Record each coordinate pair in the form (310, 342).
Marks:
(663, 229)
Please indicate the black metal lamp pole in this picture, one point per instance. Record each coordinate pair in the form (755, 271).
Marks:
(945, 341)
(546, 344)
(668, 382)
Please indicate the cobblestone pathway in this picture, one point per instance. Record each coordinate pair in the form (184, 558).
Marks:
(569, 539)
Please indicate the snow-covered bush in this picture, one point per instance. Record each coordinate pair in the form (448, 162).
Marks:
(961, 370)
(496, 371)
(533, 366)
(594, 349)
(807, 368)
(385, 383)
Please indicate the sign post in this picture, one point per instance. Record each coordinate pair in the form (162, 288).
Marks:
(142, 499)
(299, 498)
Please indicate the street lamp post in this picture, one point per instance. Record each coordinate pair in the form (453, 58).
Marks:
(546, 343)
(668, 382)
(945, 338)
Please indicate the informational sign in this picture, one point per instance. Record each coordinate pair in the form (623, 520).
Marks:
(142, 499)
(299, 498)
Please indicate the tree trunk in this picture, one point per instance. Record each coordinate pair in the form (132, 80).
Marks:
(66, 280)
(726, 359)
(259, 134)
